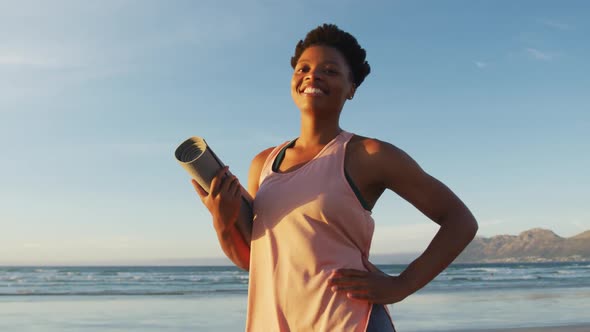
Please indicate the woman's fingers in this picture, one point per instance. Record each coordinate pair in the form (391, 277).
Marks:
(350, 273)
(232, 186)
(217, 181)
(202, 193)
(347, 275)
(348, 279)
(343, 285)
(375, 287)
(359, 289)
(351, 287)
(222, 182)
(236, 189)
(228, 183)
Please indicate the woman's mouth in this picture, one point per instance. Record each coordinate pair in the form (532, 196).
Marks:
(314, 91)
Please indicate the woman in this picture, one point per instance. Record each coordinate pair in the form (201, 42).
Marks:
(308, 252)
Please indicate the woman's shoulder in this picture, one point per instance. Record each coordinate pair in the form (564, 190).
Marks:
(376, 163)
(371, 146)
(261, 157)
(388, 163)
(378, 155)
(256, 169)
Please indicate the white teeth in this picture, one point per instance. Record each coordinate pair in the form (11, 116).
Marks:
(313, 90)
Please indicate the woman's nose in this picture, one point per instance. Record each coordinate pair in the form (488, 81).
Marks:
(314, 74)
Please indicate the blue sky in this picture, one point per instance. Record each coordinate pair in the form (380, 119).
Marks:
(491, 97)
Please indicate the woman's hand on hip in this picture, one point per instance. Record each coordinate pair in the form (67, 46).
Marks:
(224, 199)
(372, 286)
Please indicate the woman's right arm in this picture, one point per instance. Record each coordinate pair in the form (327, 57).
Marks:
(223, 202)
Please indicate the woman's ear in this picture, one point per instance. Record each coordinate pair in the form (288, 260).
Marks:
(352, 90)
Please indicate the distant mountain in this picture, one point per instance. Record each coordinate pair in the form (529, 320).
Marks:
(585, 235)
(535, 245)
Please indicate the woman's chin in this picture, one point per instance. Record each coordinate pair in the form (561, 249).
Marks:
(318, 107)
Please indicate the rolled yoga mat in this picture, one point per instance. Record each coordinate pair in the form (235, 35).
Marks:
(199, 160)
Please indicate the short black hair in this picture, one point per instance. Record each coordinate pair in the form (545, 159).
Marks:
(331, 35)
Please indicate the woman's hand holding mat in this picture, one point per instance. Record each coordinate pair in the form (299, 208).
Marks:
(228, 202)
(223, 201)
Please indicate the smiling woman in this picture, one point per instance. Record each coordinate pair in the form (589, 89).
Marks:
(308, 255)
(321, 81)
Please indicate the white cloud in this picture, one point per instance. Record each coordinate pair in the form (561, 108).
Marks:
(480, 64)
(539, 55)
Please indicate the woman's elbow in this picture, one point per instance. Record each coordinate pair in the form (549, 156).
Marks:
(469, 225)
(472, 227)
(465, 223)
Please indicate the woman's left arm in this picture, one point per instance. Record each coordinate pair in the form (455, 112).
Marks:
(457, 228)
(401, 174)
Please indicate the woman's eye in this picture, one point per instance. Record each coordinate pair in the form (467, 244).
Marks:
(306, 69)
(301, 70)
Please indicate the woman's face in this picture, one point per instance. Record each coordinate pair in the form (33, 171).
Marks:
(322, 80)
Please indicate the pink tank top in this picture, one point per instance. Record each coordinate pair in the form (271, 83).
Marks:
(308, 223)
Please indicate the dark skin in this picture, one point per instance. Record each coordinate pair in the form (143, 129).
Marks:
(223, 202)
(320, 86)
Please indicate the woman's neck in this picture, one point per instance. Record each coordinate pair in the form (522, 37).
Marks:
(317, 132)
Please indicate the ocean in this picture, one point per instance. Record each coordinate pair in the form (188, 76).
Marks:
(213, 298)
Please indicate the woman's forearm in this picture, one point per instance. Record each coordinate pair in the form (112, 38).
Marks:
(455, 233)
(235, 246)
